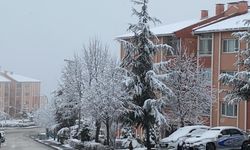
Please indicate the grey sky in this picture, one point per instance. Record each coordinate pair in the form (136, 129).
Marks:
(37, 35)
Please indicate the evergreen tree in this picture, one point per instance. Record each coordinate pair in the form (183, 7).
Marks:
(144, 109)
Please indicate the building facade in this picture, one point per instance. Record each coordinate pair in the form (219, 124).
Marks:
(210, 40)
(19, 95)
(223, 49)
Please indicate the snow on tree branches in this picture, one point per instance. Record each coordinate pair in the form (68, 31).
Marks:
(144, 87)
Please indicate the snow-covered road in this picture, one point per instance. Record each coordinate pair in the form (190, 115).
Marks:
(20, 139)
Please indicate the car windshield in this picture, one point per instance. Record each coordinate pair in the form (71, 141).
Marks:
(198, 132)
(211, 133)
(180, 132)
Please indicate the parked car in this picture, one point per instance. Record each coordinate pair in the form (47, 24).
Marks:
(175, 140)
(2, 140)
(223, 137)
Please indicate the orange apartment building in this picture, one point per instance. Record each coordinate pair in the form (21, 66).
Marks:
(4, 94)
(210, 40)
(18, 94)
(223, 48)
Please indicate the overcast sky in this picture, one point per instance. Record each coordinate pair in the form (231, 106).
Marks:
(37, 35)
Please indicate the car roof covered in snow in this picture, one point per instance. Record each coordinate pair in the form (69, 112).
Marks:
(231, 24)
(182, 132)
(223, 127)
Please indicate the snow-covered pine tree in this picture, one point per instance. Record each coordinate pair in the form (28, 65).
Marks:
(239, 83)
(145, 109)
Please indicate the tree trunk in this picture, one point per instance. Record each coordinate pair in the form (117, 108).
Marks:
(182, 122)
(98, 127)
(79, 120)
(148, 143)
(107, 128)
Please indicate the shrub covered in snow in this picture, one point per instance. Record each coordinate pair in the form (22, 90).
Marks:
(85, 134)
(76, 144)
(93, 146)
(126, 143)
(63, 134)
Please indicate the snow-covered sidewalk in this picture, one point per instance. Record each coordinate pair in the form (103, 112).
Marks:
(54, 144)
(16, 123)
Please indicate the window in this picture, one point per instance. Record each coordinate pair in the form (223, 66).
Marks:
(206, 72)
(225, 132)
(174, 43)
(229, 110)
(205, 44)
(27, 94)
(230, 45)
(235, 132)
(18, 85)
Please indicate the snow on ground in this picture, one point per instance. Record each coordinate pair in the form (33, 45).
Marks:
(16, 123)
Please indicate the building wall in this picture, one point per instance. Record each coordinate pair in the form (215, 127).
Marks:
(4, 96)
(224, 61)
(22, 97)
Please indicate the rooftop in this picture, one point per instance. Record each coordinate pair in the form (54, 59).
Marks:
(230, 24)
(20, 78)
(3, 79)
(168, 29)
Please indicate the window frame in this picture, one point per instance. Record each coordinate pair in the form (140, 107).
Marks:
(225, 108)
(207, 38)
(227, 50)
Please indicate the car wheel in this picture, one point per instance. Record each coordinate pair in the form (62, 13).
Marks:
(244, 145)
(179, 147)
(210, 146)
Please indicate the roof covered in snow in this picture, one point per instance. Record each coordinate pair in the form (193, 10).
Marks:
(3, 79)
(168, 29)
(20, 78)
(230, 24)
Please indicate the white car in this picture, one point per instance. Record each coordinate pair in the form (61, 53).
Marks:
(3, 136)
(223, 137)
(175, 140)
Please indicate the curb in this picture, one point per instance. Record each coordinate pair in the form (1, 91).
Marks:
(54, 147)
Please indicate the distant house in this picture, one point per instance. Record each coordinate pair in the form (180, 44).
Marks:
(4, 94)
(22, 94)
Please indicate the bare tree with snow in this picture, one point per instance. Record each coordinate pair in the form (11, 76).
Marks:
(191, 87)
(69, 99)
(45, 116)
(106, 97)
(95, 59)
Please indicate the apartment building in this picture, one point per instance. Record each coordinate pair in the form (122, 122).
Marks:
(21, 94)
(4, 94)
(217, 42)
(210, 40)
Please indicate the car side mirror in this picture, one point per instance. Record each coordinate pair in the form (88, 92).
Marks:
(220, 135)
